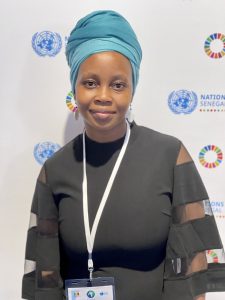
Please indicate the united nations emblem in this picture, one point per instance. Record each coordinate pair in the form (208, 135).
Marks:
(42, 151)
(46, 43)
(182, 101)
(90, 294)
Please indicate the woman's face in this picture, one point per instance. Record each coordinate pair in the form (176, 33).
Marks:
(103, 93)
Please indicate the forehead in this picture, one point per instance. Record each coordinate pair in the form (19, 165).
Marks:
(106, 62)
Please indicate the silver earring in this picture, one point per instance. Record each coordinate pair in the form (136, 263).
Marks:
(130, 115)
(76, 114)
(76, 111)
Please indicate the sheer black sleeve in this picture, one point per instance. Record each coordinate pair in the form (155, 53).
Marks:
(195, 261)
(41, 280)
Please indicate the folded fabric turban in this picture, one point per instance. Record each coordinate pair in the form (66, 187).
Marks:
(103, 30)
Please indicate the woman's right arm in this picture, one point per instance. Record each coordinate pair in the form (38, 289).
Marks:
(41, 280)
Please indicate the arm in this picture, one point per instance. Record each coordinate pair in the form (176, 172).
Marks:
(42, 279)
(189, 272)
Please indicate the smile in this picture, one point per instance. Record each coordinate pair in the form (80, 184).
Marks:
(95, 111)
(102, 114)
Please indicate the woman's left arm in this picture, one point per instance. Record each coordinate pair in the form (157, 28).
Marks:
(195, 261)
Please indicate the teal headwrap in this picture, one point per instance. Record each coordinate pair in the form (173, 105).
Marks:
(103, 30)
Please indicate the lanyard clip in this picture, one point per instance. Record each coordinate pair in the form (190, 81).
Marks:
(90, 267)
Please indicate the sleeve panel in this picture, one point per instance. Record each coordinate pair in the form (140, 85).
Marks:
(195, 261)
(42, 278)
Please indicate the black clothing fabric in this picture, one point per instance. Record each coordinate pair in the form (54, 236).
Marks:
(149, 238)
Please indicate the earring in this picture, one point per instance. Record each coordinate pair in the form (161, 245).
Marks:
(130, 115)
(76, 112)
(75, 109)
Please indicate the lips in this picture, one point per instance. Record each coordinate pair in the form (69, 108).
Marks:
(102, 114)
(99, 111)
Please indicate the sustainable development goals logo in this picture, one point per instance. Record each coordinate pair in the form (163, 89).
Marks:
(215, 45)
(210, 156)
(70, 102)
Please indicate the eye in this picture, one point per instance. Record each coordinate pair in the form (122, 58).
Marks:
(119, 85)
(90, 84)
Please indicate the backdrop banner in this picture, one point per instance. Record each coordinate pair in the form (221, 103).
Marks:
(181, 92)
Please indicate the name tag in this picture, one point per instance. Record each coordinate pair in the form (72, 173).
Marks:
(101, 288)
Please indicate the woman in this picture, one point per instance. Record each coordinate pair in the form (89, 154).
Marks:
(137, 189)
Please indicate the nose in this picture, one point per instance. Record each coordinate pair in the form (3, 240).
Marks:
(103, 96)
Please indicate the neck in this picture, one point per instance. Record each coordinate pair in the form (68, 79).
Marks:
(106, 135)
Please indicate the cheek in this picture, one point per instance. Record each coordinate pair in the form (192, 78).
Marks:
(82, 106)
(82, 97)
(122, 109)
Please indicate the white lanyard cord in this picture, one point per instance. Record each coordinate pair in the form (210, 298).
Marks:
(90, 235)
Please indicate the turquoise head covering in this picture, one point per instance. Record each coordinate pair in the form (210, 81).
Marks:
(103, 30)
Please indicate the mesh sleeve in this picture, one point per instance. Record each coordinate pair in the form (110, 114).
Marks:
(41, 280)
(195, 262)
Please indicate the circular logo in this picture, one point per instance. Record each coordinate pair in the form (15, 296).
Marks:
(90, 294)
(43, 151)
(182, 101)
(46, 43)
(211, 162)
(70, 102)
(216, 37)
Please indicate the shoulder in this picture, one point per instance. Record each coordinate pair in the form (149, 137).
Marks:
(64, 166)
(154, 146)
(66, 154)
(158, 139)
(155, 149)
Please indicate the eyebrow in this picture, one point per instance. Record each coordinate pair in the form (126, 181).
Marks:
(114, 77)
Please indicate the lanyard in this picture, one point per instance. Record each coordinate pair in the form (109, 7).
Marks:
(90, 235)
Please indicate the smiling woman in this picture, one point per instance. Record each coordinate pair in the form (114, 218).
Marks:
(103, 93)
(120, 203)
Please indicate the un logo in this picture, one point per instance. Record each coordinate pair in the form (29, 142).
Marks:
(182, 101)
(46, 43)
(43, 151)
(90, 294)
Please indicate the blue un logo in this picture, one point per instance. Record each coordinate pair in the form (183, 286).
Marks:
(90, 294)
(182, 101)
(42, 151)
(46, 43)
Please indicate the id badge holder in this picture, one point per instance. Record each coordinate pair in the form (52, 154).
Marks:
(101, 288)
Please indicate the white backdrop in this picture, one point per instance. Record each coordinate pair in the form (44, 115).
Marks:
(34, 89)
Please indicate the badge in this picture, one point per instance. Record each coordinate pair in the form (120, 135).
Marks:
(85, 289)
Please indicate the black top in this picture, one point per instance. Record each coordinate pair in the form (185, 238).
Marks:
(140, 240)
